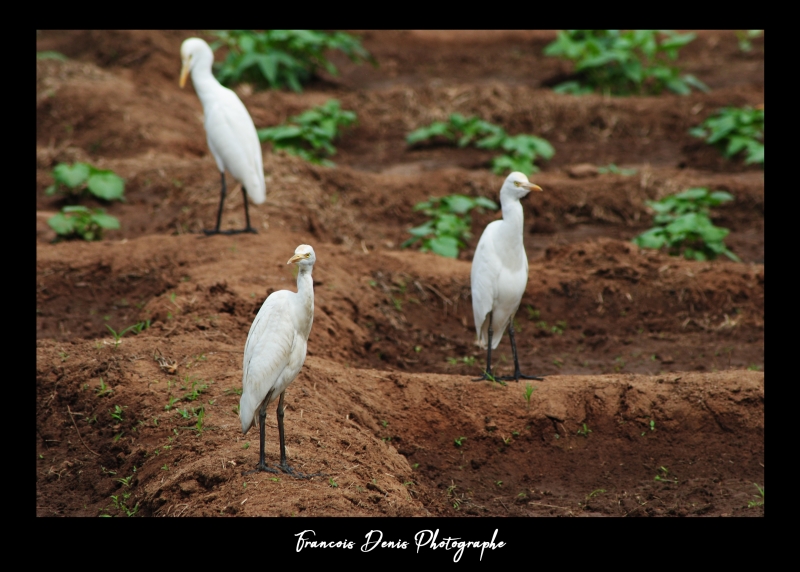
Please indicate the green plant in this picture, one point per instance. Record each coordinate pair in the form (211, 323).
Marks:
(612, 168)
(283, 58)
(51, 55)
(170, 403)
(623, 62)
(117, 413)
(744, 37)
(663, 476)
(196, 390)
(459, 441)
(529, 389)
(682, 223)
(333, 483)
(121, 505)
(78, 178)
(733, 130)
(753, 504)
(522, 149)
(79, 221)
(103, 389)
(136, 328)
(200, 413)
(584, 431)
(310, 135)
(450, 223)
(126, 481)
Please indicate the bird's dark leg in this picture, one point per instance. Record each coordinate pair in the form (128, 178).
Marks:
(284, 466)
(247, 228)
(224, 190)
(517, 374)
(487, 374)
(262, 423)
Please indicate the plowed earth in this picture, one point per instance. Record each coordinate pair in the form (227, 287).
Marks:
(654, 364)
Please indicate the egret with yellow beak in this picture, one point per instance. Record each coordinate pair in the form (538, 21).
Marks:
(499, 274)
(275, 351)
(230, 131)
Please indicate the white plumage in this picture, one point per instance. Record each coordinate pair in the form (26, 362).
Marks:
(499, 272)
(230, 131)
(275, 351)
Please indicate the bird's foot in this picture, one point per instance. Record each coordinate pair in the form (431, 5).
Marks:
(296, 474)
(210, 232)
(517, 376)
(488, 377)
(261, 467)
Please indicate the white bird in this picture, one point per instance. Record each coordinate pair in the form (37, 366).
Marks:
(499, 273)
(230, 131)
(275, 351)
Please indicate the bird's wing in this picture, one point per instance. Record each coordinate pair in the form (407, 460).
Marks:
(234, 142)
(268, 355)
(483, 279)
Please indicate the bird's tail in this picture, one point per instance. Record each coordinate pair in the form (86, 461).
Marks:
(256, 187)
(249, 407)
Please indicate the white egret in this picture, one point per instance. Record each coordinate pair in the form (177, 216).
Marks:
(275, 351)
(499, 273)
(230, 132)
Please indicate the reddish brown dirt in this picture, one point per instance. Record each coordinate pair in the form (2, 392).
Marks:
(656, 368)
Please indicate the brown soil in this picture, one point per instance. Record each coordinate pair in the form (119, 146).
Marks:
(654, 369)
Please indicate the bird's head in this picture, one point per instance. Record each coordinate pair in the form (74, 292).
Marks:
(194, 51)
(303, 256)
(518, 186)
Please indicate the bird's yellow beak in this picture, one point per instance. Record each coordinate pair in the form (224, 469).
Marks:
(297, 257)
(184, 73)
(532, 187)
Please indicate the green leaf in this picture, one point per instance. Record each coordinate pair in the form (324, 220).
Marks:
(105, 221)
(51, 55)
(278, 133)
(731, 255)
(444, 246)
(677, 41)
(755, 155)
(654, 238)
(71, 176)
(460, 204)
(268, 64)
(106, 185)
(720, 197)
(75, 209)
(486, 203)
(693, 193)
(685, 223)
(62, 224)
(696, 83)
(422, 230)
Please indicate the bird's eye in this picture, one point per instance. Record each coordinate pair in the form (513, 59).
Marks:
(516, 183)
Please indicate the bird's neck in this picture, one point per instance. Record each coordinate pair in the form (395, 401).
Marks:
(513, 219)
(205, 84)
(305, 294)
